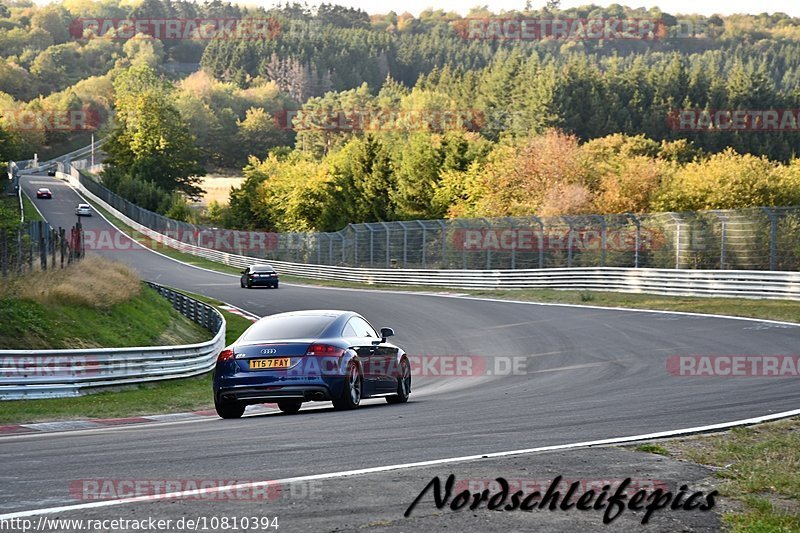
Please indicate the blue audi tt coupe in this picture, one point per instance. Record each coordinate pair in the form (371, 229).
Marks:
(304, 356)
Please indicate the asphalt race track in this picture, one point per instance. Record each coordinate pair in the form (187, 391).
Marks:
(591, 374)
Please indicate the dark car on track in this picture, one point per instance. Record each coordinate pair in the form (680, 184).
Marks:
(303, 356)
(259, 276)
(44, 192)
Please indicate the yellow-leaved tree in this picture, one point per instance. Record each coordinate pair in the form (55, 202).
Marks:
(729, 180)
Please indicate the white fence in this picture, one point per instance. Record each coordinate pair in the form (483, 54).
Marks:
(63, 373)
(729, 283)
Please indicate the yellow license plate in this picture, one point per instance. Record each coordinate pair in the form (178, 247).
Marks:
(276, 362)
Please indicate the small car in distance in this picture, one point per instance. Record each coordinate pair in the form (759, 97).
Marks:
(51, 172)
(303, 356)
(44, 192)
(259, 275)
(83, 210)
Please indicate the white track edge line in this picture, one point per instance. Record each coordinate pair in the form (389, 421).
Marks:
(404, 466)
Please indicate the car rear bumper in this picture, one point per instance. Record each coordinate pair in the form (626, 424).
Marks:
(255, 394)
(266, 282)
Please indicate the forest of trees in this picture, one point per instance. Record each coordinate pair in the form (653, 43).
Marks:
(560, 125)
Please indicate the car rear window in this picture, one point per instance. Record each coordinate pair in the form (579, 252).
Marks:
(288, 327)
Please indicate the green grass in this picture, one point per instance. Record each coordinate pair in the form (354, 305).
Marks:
(762, 516)
(9, 212)
(189, 394)
(758, 466)
(145, 320)
(31, 214)
(652, 448)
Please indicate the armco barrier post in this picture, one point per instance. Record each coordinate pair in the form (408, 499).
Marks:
(443, 227)
(388, 243)
(678, 223)
(603, 234)
(638, 223)
(513, 226)
(424, 241)
(489, 229)
(371, 246)
(541, 240)
(773, 238)
(723, 218)
(405, 243)
(571, 223)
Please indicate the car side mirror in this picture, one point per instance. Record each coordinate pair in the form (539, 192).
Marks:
(244, 271)
(386, 332)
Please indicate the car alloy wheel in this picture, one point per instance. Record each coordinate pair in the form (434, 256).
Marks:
(403, 384)
(351, 392)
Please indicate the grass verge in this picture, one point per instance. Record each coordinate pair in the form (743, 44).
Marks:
(29, 210)
(9, 212)
(784, 310)
(95, 303)
(189, 394)
(756, 467)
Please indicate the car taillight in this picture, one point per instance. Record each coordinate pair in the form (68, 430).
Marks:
(324, 350)
(224, 355)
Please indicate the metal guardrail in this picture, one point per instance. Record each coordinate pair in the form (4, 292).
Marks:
(63, 373)
(674, 282)
(737, 239)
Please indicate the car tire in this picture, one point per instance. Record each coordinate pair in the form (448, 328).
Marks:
(249, 284)
(290, 407)
(276, 285)
(351, 391)
(403, 384)
(229, 408)
(241, 284)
